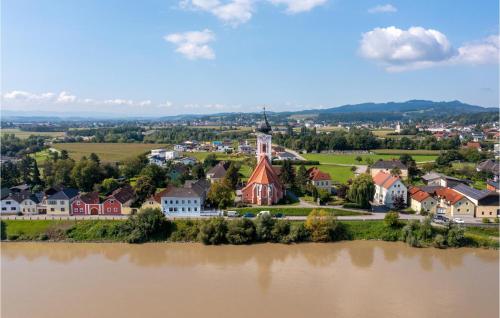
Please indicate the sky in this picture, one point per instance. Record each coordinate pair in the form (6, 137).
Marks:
(169, 57)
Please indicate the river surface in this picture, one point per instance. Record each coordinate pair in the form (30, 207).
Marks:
(348, 279)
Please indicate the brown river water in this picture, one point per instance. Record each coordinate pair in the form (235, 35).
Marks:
(348, 279)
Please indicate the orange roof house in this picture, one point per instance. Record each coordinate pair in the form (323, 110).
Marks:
(384, 179)
(449, 195)
(317, 175)
(263, 186)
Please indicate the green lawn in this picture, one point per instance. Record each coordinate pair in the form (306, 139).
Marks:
(349, 159)
(201, 155)
(246, 171)
(25, 134)
(288, 211)
(337, 173)
(31, 230)
(405, 151)
(106, 151)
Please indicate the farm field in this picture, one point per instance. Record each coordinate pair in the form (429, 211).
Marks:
(405, 151)
(106, 151)
(201, 155)
(350, 159)
(25, 134)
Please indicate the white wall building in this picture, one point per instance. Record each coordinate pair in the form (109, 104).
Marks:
(387, 188)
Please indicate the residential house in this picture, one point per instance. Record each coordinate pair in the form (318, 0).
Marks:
(493, 185)
(120, 201)
(486, 202)
(154, 201)
(387, 188)
(59, 202)
(479, 136)
(490, 166)
(217, 172)
(319, 179)
(422, 201)
(387, 165)
(473, 145)
(186, 201)
(86, 204)
(439, 179)
(285, 156)
(31, 203)
(453, 204)
(10, 204)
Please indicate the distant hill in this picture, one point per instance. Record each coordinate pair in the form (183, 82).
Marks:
(411, 106)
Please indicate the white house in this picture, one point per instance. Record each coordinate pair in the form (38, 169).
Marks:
(186, 201)
(9, 204)
(387, 188)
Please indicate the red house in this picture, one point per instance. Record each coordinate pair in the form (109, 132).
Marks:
(86, 204)
(119, 202)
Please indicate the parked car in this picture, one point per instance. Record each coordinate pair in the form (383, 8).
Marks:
(264, 212)
(279, 215)
(439, 219)
(248, 215)
(232, 214)
(458, 220)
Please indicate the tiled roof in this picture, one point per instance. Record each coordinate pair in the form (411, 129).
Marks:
(384, 179)
(90, 198)
(413, 190)
(420, 196)
(473, 144)
(317, 175)
(124, 194)
(489, 166)
(264, 174)
(389, 164)
(449, 195)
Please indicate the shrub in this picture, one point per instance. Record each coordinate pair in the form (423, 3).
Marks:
(299, 233)
(496, 220)
(281, 231)
(185, 231)
(321, 226)
(486, 220)
(241, 231)
(3, 230)
(350, 205)
(424, 231)
(439, 241)
(149, 224)
(213, 231)
(409, 233)
(12, 237)
(391, 219)
(264, 226)
(455, 236)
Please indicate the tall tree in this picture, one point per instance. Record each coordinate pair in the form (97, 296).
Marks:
(232, 176)
(220, 195)
(361, 190)
(287, 175)
(301, 179)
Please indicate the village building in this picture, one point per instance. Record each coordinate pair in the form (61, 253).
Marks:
(439, 179)
(263, 186)
(387, 188)
(473, 145)
(387, 166)
(154, 201)
(319, 179)
(422, 201)
(453, 204)
(486, 202)
(493, 185)
(489, 166)
(59, 203)
(218, 172)
(120, 201)
(186, 201)
(86, 204)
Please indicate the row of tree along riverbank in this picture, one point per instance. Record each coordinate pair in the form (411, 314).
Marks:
(150, 225)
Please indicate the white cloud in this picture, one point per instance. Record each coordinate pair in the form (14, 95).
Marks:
(383, 8)
(416, 48)
(194, 44)
(23, 95)
(65, 97)
(297, 6)
(233, 12)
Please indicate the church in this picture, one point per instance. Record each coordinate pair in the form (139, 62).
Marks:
(264, 186)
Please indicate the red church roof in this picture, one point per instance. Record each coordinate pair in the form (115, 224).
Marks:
(264, 173)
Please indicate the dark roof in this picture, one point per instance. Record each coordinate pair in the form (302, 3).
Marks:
(200, 186)
(90, 198)
(491, 198)
(64, 194)
(430, 189)
(4, 193)
(493, 183)
(489, 165)
(470, 192)
(218, 171)
(123, 194)
(388, 164)
(181, 192)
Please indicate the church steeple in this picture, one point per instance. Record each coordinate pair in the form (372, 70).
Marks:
(264, 126)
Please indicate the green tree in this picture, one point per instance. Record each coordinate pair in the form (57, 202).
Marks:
(109, 185)
(301, 179)
(62, 172)
(361, 190)
(391, 219)
(9, 175)
(210, 161)
(198, 172)
(232, 176)
(358, 159)
(85, 174)
(156, 174)
(64, 154)
(147, 225)
(324, 196)
(408, 161)
(144, 187)
(321, 226)
(287, 175)
(213, 231)
(399, 202)
(133, 166)
(241, 231)
(220, 195)
(95, 158)
(264, 224)
(396, 172)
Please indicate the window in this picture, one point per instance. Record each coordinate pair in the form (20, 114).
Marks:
(182, 209)
(62, 209)
(189, 209)
(490, 212)
(195, 201)
(482, 213)
(189, 201)
(78, 202)
(171, 202)
(8, 202)
(108, 209)
(4, 208)
(81, 209)
(196, 209)
(13, 208)
(52, 209)
(176, 201)
(61, 202)
(115, 209)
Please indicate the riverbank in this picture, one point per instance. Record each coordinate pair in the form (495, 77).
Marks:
(152, 226)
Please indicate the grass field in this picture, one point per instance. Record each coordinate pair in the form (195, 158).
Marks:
(349, 159)
(220, 156)
(106, 151)
(25, 134)
(337, 173)
(288, 211)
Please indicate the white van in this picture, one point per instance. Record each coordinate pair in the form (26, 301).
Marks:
(232, 214)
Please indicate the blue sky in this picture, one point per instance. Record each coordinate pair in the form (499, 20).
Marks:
(165, 57)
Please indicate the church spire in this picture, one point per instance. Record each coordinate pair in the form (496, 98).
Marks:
(264, 126)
